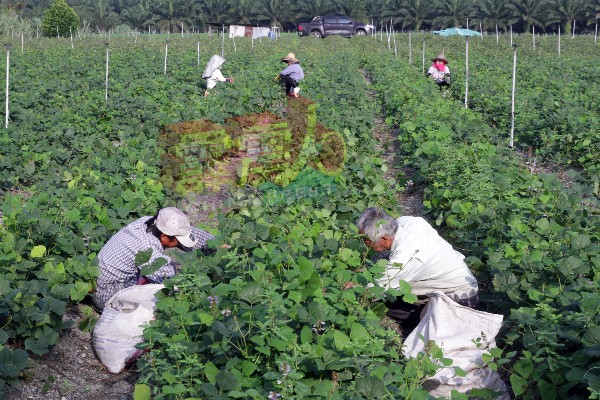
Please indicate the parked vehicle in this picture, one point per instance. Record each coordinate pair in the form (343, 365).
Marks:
(328, 25)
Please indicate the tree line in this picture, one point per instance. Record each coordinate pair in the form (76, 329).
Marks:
(194, 15)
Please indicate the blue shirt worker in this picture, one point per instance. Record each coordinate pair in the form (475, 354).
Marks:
(118, 270)
(290, 76)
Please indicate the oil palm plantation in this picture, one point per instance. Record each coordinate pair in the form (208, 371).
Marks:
(493, 13)
(531, 12)
(454, 13)
(277, 11)
(308, 9)
(412, 13)
(565, 11)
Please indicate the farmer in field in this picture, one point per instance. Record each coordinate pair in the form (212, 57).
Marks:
(419, 256)
(439, 71)
(291, 75)
(170, 228)
(212, 73)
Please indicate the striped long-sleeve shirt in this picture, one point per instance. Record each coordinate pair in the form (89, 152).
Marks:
(117, 259)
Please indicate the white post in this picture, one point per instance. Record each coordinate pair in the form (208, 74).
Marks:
(511, 42)
(409, 47)
(559, 40)
(234, 46)
(182, 29)
(381, 33)
(37, 32)
(512, 111)
(71, 33)
(533, 35)
(481, 30)
(596, 34)
(198, 52)
(423, 57)
(467, 73)
(7, 45)
(149, 35)
(395, 47)
(57, 34)
(106, 78)
(166, 55)
(467, 23)
(497, 36)
(22, 42)
(574, 23)
(389, 36)
(223, 42)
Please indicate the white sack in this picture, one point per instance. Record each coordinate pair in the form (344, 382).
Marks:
(455, 329)
(121, 325)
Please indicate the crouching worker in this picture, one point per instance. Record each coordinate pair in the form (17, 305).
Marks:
(212, 73)
(170, 228)
(419, 256)
(439, 71)
(291, 75)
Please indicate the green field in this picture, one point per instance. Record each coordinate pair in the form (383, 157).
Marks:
(75, 168)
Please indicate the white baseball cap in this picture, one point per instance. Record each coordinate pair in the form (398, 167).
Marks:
(173, 222)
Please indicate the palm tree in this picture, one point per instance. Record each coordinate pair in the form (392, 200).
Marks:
(308, 9)
(530, 12)
(277, 11)
(412, 13)
(214, 10)
(454, 13)
(493, 13)
(374, 10)
(100, 15)
(136, 16)
(351, 8)
(243, 11)
(170, 14)
(566, 11)
(592, 12)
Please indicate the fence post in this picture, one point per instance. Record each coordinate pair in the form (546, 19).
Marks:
(7, 45)
(106, 77)
(512, 110)
(166, 56)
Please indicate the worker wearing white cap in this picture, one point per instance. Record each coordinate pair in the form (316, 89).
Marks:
(118, 270)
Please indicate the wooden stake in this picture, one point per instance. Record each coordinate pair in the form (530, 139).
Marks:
(511, 41)
(423, 57)
(22, 42)
(198, 52)
(574, 23)
(533, 35)
(481, 30)
(410, 48)
(223, 42)
(497, 36)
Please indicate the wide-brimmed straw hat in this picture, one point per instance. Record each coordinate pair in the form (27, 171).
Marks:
(440, 57)
(291, 57)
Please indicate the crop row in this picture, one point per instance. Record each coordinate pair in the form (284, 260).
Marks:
(532, 241)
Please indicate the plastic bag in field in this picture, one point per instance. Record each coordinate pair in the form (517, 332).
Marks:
(464, 334)
(121, 325)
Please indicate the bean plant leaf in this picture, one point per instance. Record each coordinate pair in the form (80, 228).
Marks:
(155, 266)
(141, 392)
(227, 381)
(251, 293)
(370, 387)
(38, 251)
(142, 257)
(211, 371)
(12, 362)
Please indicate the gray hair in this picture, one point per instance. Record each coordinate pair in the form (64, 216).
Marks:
(374, 222)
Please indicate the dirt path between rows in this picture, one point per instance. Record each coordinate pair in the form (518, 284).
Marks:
(411, 199)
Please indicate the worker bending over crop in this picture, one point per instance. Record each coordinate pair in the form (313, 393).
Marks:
(291, 75)
(212, 73)
(439, 71)
(118, 269)
(419, 256)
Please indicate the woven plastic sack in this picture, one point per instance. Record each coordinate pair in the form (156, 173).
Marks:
(456, 330)
(121, 326)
